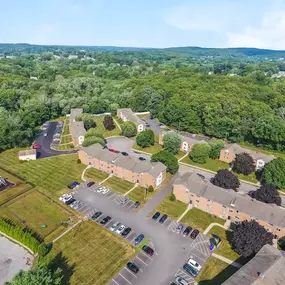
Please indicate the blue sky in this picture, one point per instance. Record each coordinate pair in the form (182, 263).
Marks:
(145, 23)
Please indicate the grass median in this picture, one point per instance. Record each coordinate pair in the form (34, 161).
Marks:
(95, 175)
(118, 185)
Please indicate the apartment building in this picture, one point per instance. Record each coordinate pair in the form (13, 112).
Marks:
(128, 168)
(228, 204)
(76, 129)
(126, 114)
(266, 268)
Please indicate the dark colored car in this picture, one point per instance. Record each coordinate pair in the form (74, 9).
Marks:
(117, 151)
(155, 216)
(125, 153)
(172, 283)
(105, 220)
(73, 184)
(133, 267)
(139, 238)
(96, 215)
(194, 234)
(142, 158)
(250, 193)
(148, 250)
(89, 184)
(188, 268)
(147, 125)
(70, 201)
(36, 146)
(163, 219)
(201, 175)
(187, 231)
(126, 232)
(137, 204)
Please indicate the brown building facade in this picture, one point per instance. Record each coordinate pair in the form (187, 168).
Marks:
(142, 172)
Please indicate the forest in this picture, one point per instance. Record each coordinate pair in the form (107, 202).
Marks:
(224, 95)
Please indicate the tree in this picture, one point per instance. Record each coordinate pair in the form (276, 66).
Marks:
(267, 194)
(129, 129)
(89, 123)
(109, 123)
(40, 275)
(93, 132)
(43, 249)
(172, 197)
(200, 152)
(168, 159)
(145, 138)
(273, 173)
(171, 142)
(92, 140)
(226, 179)
(249, 237)
(150, 189)
(216, 147)
(243, 163)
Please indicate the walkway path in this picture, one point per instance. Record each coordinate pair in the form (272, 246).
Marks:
(72, 227)
(226, 260)
(189, 207)
(183, 157)
(106, 179)
(135, 186)
(212, 225)
(83, 173)
(118, 125)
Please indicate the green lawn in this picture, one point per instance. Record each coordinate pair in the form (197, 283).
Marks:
(101, 129)
(211, 164)
(250, 178)
(215, 272)
(118, 185)
(95, 175)
(173, 209)
(95, 253)
(68, 146)
(50, 174)
(200, 220)
(180, 154)
(224, 248)
(151, 149)
(35, 210)
(138, 194)
(19, 188)
(65, 130)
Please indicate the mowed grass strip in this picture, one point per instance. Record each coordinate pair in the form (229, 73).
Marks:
(138, 194)
(50, 174)
(101, 129)
(118, 185)
(35, 210)
(200, 220)
(96, 254)
(65, 130)
(95, 175)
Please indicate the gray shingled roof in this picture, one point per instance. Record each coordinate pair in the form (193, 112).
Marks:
(125, 162)
(270, 213)
(76, 128)
(129, 114)
(269, 261)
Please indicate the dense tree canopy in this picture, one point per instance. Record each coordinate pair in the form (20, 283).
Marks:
(226, 179)
(92, 140)
(145, 138)
(168, 159)
(200, 152)
(244, 164)
(267, 194)
(216, 147)
(129, 129)
(109, 123)
(273, 173)
(171, 142)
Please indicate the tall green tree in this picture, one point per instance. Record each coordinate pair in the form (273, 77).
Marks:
(216, 147)
(200, 152)
(171, 142)
(168, 159)
(145, 138)
(129, 129)
(273, 173)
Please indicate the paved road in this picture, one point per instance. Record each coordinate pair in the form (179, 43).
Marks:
(154, 125)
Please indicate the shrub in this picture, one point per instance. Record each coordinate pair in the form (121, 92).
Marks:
(93, 133)
(78, 160)
(243, 163)
(92, 140)
(145, 138)
(43, 249)
(168, 159)
(172, 197)
(200, 152)
(109, 123)
(171, 142)
(129, 129)
(150, 189)
(89, 123)
(216, 147)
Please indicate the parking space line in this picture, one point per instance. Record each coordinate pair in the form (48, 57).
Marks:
(130, 271)
(197, 257)
(146, 255)
(125, 278)
(108, 223)
(141, 260)
(153, 247)
(115, 281)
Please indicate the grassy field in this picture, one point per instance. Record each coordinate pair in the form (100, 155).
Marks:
(174, 209)
(95, 175)
(250, 178)
(65, 130)
(200, 220)
(215, 272)
(118, 185)
(50, 174)
(96, 254)
(34, 210)
(224, 248)
(68, 146)
(101, 129)
(137, 194)
(19, 188)
(151, 149)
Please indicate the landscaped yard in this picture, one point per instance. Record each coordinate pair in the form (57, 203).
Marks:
(95, 175)
(50, 174)
(174, 209)
(151, 149)
(138, 194)
(35, 210)
(224, 248)
(200, 220)
(95, 253)
(101, 129)
(118, 185)
(215, 272)
(250, 178)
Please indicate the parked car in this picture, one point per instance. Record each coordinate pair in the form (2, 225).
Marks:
(89, 184)
(124, 200)
(72, 205)
(194, 234)
(120, 229)
(201, 175)
(137, 204)
(139, 238)
(172, 283)
(250, 193)
(133, 267)
(111, 150)
(115, 226)
(70, 201)
(36, 146)
(65, 197)
(105, 191)
(179, 228)
(190, 269)
(142, 158)
(78, 206)
(155, 216)
(73, 184)
(126, 232)
(163, 219)
(194, 264)
(181, 281)
(148, 250)
(96, 215)
(105, 220)
(187, 231)
(124, 153)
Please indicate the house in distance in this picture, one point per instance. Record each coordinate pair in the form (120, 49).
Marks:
(126, 114)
